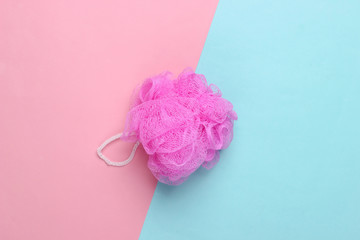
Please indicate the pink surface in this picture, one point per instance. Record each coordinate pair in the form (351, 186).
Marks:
(67, 70)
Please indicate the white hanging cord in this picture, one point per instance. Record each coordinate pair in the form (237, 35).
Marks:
(116, 164)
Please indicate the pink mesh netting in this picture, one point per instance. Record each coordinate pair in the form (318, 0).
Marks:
(181, 123)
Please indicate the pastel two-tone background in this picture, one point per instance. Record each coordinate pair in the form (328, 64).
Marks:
(291, 69)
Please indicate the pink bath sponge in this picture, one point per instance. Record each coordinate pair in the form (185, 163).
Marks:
(182, 124)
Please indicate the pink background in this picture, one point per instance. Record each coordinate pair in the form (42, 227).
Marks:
(67, 71)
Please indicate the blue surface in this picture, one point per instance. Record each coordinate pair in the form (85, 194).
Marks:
(292, 70)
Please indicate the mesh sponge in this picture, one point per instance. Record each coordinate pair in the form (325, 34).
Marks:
(182, 124)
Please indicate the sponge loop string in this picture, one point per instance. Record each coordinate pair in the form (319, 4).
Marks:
(108, 161)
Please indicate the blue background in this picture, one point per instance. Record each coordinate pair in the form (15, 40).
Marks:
(292, 71)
